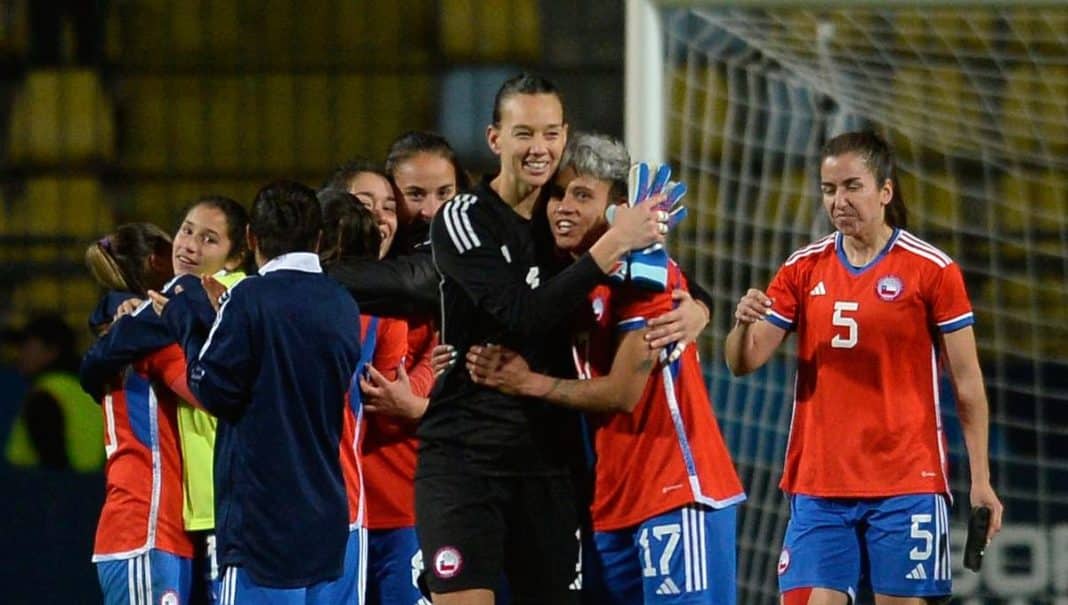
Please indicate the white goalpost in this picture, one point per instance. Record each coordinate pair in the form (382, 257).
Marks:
(738, 97)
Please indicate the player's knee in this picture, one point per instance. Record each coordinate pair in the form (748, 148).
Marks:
(797, 596)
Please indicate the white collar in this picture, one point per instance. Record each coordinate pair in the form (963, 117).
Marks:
(307, 262)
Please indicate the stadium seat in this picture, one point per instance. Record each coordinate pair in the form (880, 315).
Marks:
(474, 31)
(794, 200)
(66, 206)
(60, 208)
(1033, 202)
(1037, 30)
(161, 202)
(938, 201)
(696, 124)
(61, 117)
(935, 105)
(1035, 110)
(75, 297)
(944, 32)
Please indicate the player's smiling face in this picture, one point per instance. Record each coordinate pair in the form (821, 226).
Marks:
(202, 245)
(576, 210)
(530, 137)
(376, 193)
(855, 203)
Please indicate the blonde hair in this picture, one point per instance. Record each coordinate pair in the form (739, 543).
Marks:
(120, 260)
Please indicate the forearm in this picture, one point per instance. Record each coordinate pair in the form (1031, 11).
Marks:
(593, 395)
(739, 342)
(974, 415)
(403, 286)
(607, 250)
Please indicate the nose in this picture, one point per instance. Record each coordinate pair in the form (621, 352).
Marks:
(566, 205)
(538, 145)
(427, 211)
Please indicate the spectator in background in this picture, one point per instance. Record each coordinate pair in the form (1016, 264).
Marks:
(59, 426)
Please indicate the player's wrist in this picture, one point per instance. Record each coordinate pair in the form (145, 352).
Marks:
(608, 249)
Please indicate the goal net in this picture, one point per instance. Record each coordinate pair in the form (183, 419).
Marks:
(975, 100)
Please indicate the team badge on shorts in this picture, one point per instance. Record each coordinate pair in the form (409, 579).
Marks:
(889, 287)
(447, 562)
(784, 561)
(169, 598)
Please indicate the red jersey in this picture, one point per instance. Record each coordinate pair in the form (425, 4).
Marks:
(390, 445)
(143, 502)
(668, 452)
(866, 419)
(383, 342)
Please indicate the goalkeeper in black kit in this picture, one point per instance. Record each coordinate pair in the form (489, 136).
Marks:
(493, 488)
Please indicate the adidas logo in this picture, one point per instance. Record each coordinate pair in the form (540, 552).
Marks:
(668, 587)
(819, 290)
(917, 573)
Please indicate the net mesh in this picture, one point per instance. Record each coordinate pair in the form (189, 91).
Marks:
(975, 102)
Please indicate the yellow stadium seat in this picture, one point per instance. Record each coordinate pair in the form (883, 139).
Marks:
(73, 296)
(1035, 110)
(1034, 202)
(946, 33)
(377, 108)
(1037, 30)
(162, 202)
(697, 113)
(794, 200)
(937, 109)
(62, 206)
(60, 117)
(471, 30)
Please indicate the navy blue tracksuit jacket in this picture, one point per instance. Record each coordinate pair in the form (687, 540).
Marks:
(275, 369)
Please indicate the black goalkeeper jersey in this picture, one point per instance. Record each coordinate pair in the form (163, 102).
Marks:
(492, 292)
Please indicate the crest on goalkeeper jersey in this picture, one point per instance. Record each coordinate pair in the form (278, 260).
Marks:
(889, 287)
(598, 308)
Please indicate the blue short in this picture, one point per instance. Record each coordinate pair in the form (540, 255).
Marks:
(239, 589)
(900, 544)
(394, 563)
(154, 578)
(687, 555)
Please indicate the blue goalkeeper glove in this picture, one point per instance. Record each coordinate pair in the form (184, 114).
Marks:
(648, 268)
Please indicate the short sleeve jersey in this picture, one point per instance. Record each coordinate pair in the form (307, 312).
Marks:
(143, 506)
(668, 452)
(866, 419)
(388, 449)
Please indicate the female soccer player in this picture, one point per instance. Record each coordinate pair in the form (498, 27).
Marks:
(427, 174)
(372, 188)
(492, 489)
(665, 489)
(878, 312)
(350, 231)
(209, 240)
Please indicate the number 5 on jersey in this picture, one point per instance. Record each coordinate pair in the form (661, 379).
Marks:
(840, 319)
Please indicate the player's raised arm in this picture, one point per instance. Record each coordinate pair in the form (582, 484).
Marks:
(466, 248)
(753, 339)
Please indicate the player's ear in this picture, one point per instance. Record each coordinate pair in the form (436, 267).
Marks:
(493, 138)
(886, 193)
